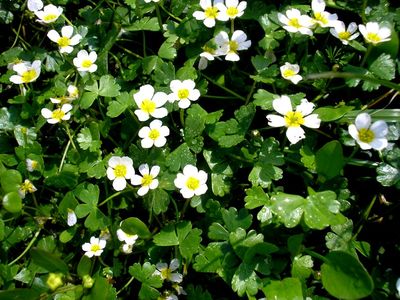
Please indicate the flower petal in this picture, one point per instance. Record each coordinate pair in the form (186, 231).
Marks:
(282, 105)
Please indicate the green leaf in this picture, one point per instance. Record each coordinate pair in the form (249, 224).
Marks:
(121, 103)
(180, 157)
(329, 114)
(134, 225)
(48, 261)
(234, 219)
(245, 280)
(157, 201)
(255, 197)
(108, 86)
(101, 289)
(166, 237)
(241, 241)
(218, 232)
(10, 181)
(189, 239)
(320, 209)
(329, 160)
(164, 73)
(12, 202)
(264, 99)
(84, 266)
(2, 230)
(341, 238)
(24, 135)
(344, 277)
(87, 99)
(150, 282)
(388, 175)
(383, 67)
(302, 266)
(6, 120)
(86, 141)
(286, 289)
(221, 173)
(144, 23)
(20, 294)
(67, 178)
(263, 175)
(167, 49)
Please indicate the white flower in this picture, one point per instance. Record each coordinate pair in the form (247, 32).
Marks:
(73, 91)
(26, 187)
(26, 71)
(147, 180)
(66, 40)
(207, 54)
(210, 13)
(231, 9)
(71, 217)
(148, 1)
(49, 14)
(129, 239)
(127, 249)
(322, 17)
(230, 47)
(35, 5)
(183, 92)
(95, 247)
(369, 135)
(293, 120)
(165, 271)
(289, 72)
(339, 31)
(31, 165)
(119, 169)
(191, 182)
(57, 115)
(375, 34)
(84, 61)
(154, 134)
(398, 286)
(150, 103)
(294, 21)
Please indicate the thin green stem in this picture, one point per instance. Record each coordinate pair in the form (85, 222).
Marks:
(27, 248)
(349, 75)
(369, 49)
(169, 14)
(129, 51)
(182, 117)
(70, 136)
(225, 88)
(126, 285)
(365, 217)
(316, 255)
(112, 197)
(177, 213)
(18, 31)
(160, 23)
(232, 26)
(64, 155)
(250, 93)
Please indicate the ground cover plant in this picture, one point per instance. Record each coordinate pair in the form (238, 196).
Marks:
(212, 149)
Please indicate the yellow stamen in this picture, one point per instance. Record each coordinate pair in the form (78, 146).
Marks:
(211, 12)
(166, 273)
(294, 22)
(154, 134)
(232, 12)
(288, 73)
(193, 183)
(233, 46)
(373, 37)
(294, 119)
(147, 179)
(183, 93)
(148, 106)
(58, 114)
(95, 248)
(86, 63)
(63, 41)
(120, 171)
(366, 135)
(49, 17)
(321, 18)
(29, 75)
(345, 35)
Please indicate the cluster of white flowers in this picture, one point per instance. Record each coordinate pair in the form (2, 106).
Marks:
(225, 46)
(294, 21)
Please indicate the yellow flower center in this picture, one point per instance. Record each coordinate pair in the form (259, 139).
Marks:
(211, 12)
(95, 248)
(58, 114)
(233, 46)
(294, 119)
(232, 12)
(34, 164)
(63, 41)
(154, 134)
(49, 17)
(193, 183)
(29, 75)
(183, 93)
(86, 63)
(166, 273)
(208, 50)
(147, 179)
(120, 171)
(345, 35)
(288, 73)
(373, 37)
(366, 135)
(321, 18)
(27, 187)
(148, 106)
(294, 22)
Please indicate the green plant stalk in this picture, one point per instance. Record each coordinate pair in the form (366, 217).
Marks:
(126, 285)
(64, 155)
(365, 217)
(170, 14)
(349, 75)
(224, 88)
(369, 49)
(27, 248)
(316, 255)
(112, 196)
(160, 23)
